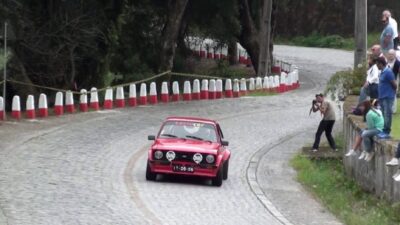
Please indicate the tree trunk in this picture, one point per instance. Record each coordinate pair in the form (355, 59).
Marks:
(176, 9)
(265, 37)
(249, 37)
(232, 52)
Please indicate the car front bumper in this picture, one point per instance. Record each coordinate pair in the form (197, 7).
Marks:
(199, 170)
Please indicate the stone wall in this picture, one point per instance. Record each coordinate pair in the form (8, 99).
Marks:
(373, 176)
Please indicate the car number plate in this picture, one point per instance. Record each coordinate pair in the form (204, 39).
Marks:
(183, 168)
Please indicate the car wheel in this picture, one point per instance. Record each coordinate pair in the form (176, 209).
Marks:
(217, 181)
(226, 168)
(150, 175)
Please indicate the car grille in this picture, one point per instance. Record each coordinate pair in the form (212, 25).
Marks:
(185, 157)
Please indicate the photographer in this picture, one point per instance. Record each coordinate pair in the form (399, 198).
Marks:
(327, 110)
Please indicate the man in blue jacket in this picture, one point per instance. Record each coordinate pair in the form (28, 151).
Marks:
(387, 92)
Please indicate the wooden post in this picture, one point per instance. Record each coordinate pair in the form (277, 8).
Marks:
(360, 32)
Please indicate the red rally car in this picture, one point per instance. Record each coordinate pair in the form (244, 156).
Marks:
(189, 146)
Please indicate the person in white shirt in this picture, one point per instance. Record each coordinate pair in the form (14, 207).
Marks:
(370, 87)
(393, 24)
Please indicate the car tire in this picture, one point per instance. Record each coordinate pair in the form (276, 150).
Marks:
(150, 175)
(226, 168)
(217, 181)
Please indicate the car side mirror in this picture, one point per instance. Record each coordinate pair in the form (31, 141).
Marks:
(151, 137)
(225, 143)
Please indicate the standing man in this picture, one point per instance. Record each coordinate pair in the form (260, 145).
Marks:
(394, 64)
(387, 91)
(386, 39)
(393, 24)
(327, 122)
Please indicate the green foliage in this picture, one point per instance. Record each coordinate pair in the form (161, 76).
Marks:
(224, 70)
(330, 41)
(341, 195)
(396, 123)
(318, 40)
(346, 82)
(260, 93)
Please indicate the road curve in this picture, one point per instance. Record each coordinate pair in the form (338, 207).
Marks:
(89, 168)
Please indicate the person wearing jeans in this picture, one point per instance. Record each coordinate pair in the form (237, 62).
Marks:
(387, 92)
(375, 121)
(327, 122)
(395, 159)
(395, 162)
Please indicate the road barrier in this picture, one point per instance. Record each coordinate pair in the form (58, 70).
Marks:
(94, 99)
(132, 95)
(43, 109)
(210, 88)
(83, 105)
(120, 97)
(1, 108)
(30, 107)
(16, 108)
(187, 95)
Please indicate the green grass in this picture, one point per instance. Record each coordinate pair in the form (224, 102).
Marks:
(260, 93)
(326, 41)
(396, 122)
(326, 179)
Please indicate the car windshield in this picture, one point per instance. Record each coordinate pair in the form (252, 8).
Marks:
(189, 130)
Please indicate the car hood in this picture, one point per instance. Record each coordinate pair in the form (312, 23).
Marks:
(187, 145)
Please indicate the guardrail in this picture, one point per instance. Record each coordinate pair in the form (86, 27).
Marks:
(209, 88)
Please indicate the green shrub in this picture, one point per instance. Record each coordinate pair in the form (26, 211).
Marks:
(326, 41)
(346, 82)
(223, 69)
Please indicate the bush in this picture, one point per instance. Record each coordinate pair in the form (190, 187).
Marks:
(346, 82)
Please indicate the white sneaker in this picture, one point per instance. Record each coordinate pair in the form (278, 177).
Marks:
(362, 155)
(393, 162)
(351, 152)
(397, 178)
(369, 156)
(314, 150)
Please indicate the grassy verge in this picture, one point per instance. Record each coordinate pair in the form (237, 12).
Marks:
(326, 41)
(396, 122)
(260, 93)
(326, 180)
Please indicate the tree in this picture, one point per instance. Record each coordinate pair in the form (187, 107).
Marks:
(255, 17)
(59, 43)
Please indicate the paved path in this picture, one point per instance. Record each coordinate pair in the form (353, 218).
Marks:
(89, 168)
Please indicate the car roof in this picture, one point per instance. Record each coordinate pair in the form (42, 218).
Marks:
(192, 119)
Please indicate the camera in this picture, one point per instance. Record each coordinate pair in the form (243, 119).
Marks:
(314, 101)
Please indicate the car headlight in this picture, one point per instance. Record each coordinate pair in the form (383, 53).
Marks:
(170, 155)
(210, 158)
(158, 154)
(197, 158)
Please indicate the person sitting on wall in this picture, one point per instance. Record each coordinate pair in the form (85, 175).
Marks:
(395, 160)
(370, 87)
(374, 119)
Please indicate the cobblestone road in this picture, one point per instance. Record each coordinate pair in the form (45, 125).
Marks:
(89, 168)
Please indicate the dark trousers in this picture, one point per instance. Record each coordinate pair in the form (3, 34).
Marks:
(398, 151)
(327, 126)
